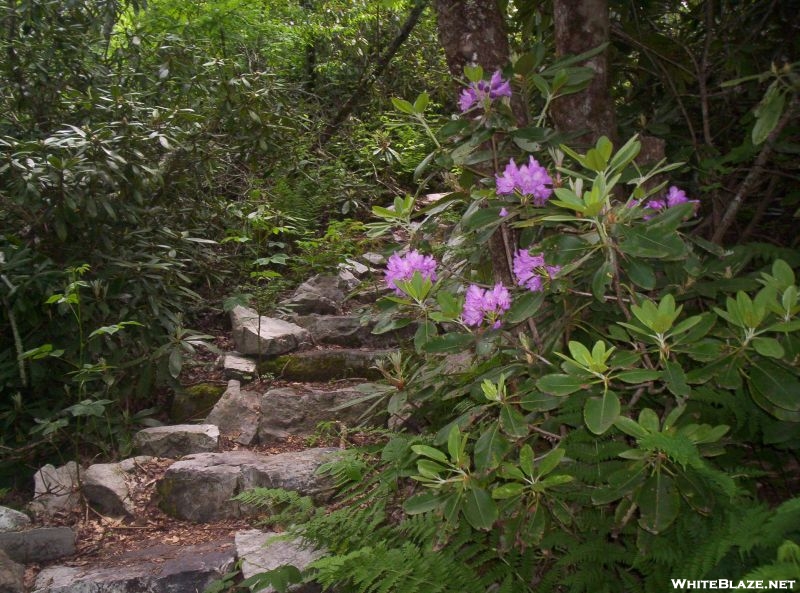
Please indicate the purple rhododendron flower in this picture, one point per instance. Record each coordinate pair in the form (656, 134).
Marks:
(403, 267)
(674, 197)
(483, 91)
(530, 269)
(529, 180)
(503, 213)
(481, 304)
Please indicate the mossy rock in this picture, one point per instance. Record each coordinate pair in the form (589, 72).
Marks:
(324, 365)
(195, 401)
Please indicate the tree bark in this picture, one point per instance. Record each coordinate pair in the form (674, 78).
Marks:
(474, 32)
(581, 25)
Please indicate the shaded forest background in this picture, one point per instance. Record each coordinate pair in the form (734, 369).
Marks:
(162, 161)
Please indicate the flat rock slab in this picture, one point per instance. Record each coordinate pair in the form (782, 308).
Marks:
(259, 552)
(238, 366)
(38, 545)
(351, 331)
(319, 294)
(177, 440)
(11, 520)
(289, 411)
(157, 569)
(200, 487)
(255, 334)
(237, 413)
(325, 365)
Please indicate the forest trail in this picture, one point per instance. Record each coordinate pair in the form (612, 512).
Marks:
(290, 405)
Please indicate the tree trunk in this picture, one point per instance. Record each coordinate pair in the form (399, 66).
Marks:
(474, 32)
(581, 25)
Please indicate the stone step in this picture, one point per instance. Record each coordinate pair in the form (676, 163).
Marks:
(325, 365)
(159, 568)
(199, 488)
(251, 417)
(156, 567)
(351, 331)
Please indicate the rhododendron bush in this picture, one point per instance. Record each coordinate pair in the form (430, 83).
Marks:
(608, 380)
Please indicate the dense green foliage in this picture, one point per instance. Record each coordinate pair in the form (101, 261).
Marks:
(151, 155)
(628, 423)
(633, 421)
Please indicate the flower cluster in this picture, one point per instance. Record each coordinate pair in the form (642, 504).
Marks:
(530, 269)
(529, 180)
(490, 304)
(401, 268)
(674, 197)
(483, 92)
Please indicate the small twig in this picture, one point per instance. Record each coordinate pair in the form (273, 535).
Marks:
(546, 433)
(755, 172)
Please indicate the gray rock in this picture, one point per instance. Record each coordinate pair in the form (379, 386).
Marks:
(375, 259)
(38, 545)
(239, 367)
(11, 520)
(177, 440)
(56, 489)
(325, 365)
(131, 464)
(236, 413)
(287, 411)
(351, 331)
(200, 487)
(355, 267)
(106, 489)
(12, 575)
(254, 334)
(349, 279)
(195, 401)
(157, 569)
(259, 552)
(319, 294)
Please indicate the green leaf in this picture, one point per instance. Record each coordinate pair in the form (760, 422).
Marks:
(675, 379)
(777, 385)
(651, 242)
(175, 363)
(768, 113)
(601, 279)
(480, 511)
(638, 376)
(559, 384)
(550, 461)
(769, 347)
(535, 401)
(508, 491)
(451, 342)
(513, 422)
(649, 420)
(425, 332)
(600, 413)
(454, 444)
(426, 451)
(490, 448)
(422, 102)
(421, 503)
(630, 427)
(524, 307)
(659, 503)
(403, 105)
(640, 273)
(526, 460)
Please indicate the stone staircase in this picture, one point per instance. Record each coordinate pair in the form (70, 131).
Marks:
(319, 355)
